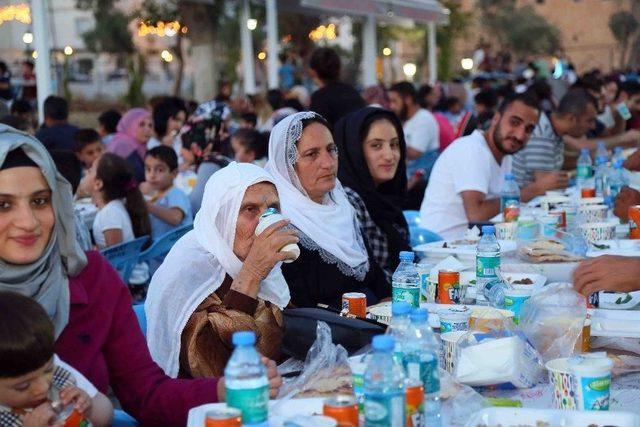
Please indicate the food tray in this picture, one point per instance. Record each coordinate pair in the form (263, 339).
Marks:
(283, 412)
(464, 252)
(615, 323)
(524, 417)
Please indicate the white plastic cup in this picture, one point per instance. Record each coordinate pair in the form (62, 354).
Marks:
(592, 378)
(453, 320)
(513, 300)
(449, 347)
(270, 217)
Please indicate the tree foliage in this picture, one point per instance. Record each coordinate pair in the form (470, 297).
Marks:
(519, 29)
(624, 26)
(446, 36)
(111, 32)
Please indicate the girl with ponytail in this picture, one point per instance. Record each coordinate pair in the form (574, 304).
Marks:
(122, 213)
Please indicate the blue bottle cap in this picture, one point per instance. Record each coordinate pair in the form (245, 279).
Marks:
(617, 150)
(584, 151)
(420, 315)
(244, 338)
(488, 229)
(406, 256)
(618, 164)
(601, 144)
(400, 308)
(509, 176)
(269, 211)
(383, 343)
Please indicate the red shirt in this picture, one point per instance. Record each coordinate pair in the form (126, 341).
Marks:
(104, 342)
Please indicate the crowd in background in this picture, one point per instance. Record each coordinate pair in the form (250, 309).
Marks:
(341, 164)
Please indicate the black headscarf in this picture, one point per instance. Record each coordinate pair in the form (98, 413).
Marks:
(384, 202)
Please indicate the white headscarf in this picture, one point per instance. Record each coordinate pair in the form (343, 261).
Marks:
(332, 227)
(197, 264)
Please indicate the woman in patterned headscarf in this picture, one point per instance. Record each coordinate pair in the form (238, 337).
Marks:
(303, 160)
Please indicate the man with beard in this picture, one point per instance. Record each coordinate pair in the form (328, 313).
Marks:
(420, 128)
(544, 155)
(468, 176)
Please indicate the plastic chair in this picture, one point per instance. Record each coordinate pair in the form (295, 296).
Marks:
(124, 257)
(420, 236)
(138, 309)
(413, 218)
(122, 419)
(163, 244)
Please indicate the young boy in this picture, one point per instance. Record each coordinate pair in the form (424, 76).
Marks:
(249, 146)
(168, 206)
(35, 386)
(88, 146)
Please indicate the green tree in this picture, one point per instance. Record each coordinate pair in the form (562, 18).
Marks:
(111, 35)
(518, 29)
(446, 36)
(623, 26)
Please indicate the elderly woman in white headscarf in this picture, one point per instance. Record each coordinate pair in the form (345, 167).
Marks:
(303, 160)
(220, 278)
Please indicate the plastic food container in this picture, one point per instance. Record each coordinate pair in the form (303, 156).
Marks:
(592, 378)
(513, 300)
(454, 319)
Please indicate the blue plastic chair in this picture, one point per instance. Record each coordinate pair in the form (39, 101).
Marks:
(122, 419)
(413, 218)
(138, 309)
(420, 236)
(124, 257)
(162, 245)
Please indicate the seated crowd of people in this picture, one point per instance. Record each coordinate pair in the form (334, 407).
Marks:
(341, 178)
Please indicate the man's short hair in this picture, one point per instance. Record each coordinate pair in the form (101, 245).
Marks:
(56, 108)
(526, 98)
(326, 63)
(168, 108)
(21, 106)
(166, 155)
(252, 140)
(84, 137)
(250, 118)
(405, 89)
(488, 98)
(576, 101)
(630, 87)
(109, 120)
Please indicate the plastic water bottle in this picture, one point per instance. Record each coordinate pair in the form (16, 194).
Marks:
(617, 180)
(494, 293)
(487, 258)
(600, 177)
(584, 167)
(510, 195)
(246, 381)
(617, 155)
(405, 281)
(384, 388)
(602, 155)
(400, 321)
(421, 352)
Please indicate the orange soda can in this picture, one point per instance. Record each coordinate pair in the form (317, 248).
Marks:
(223, 417)
(343, 408)
(414, 392)
(634, 222)
(355, 303)
(448, 287)
(588, 192)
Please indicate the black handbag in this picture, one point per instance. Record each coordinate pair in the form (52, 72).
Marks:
(352, 333)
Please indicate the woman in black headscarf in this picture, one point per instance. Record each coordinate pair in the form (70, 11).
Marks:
(372, 169)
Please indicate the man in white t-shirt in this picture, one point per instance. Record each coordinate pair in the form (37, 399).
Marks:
(467, 178)
(421, 131)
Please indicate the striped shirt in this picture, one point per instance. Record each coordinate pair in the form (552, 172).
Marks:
(543, 152)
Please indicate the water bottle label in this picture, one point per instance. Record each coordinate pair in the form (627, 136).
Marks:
(384, 410)
(486, 266)
(406, 293)
(509, 201)
(425, 371)
(599, 186)
(584, 171)
(252, 402)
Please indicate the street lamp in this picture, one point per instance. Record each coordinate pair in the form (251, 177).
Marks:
(466, 63)
(386, 51)
(68, 50)
(252, 24)
(34, 55)
(27, 38)
(262, 56)
(409, 70)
